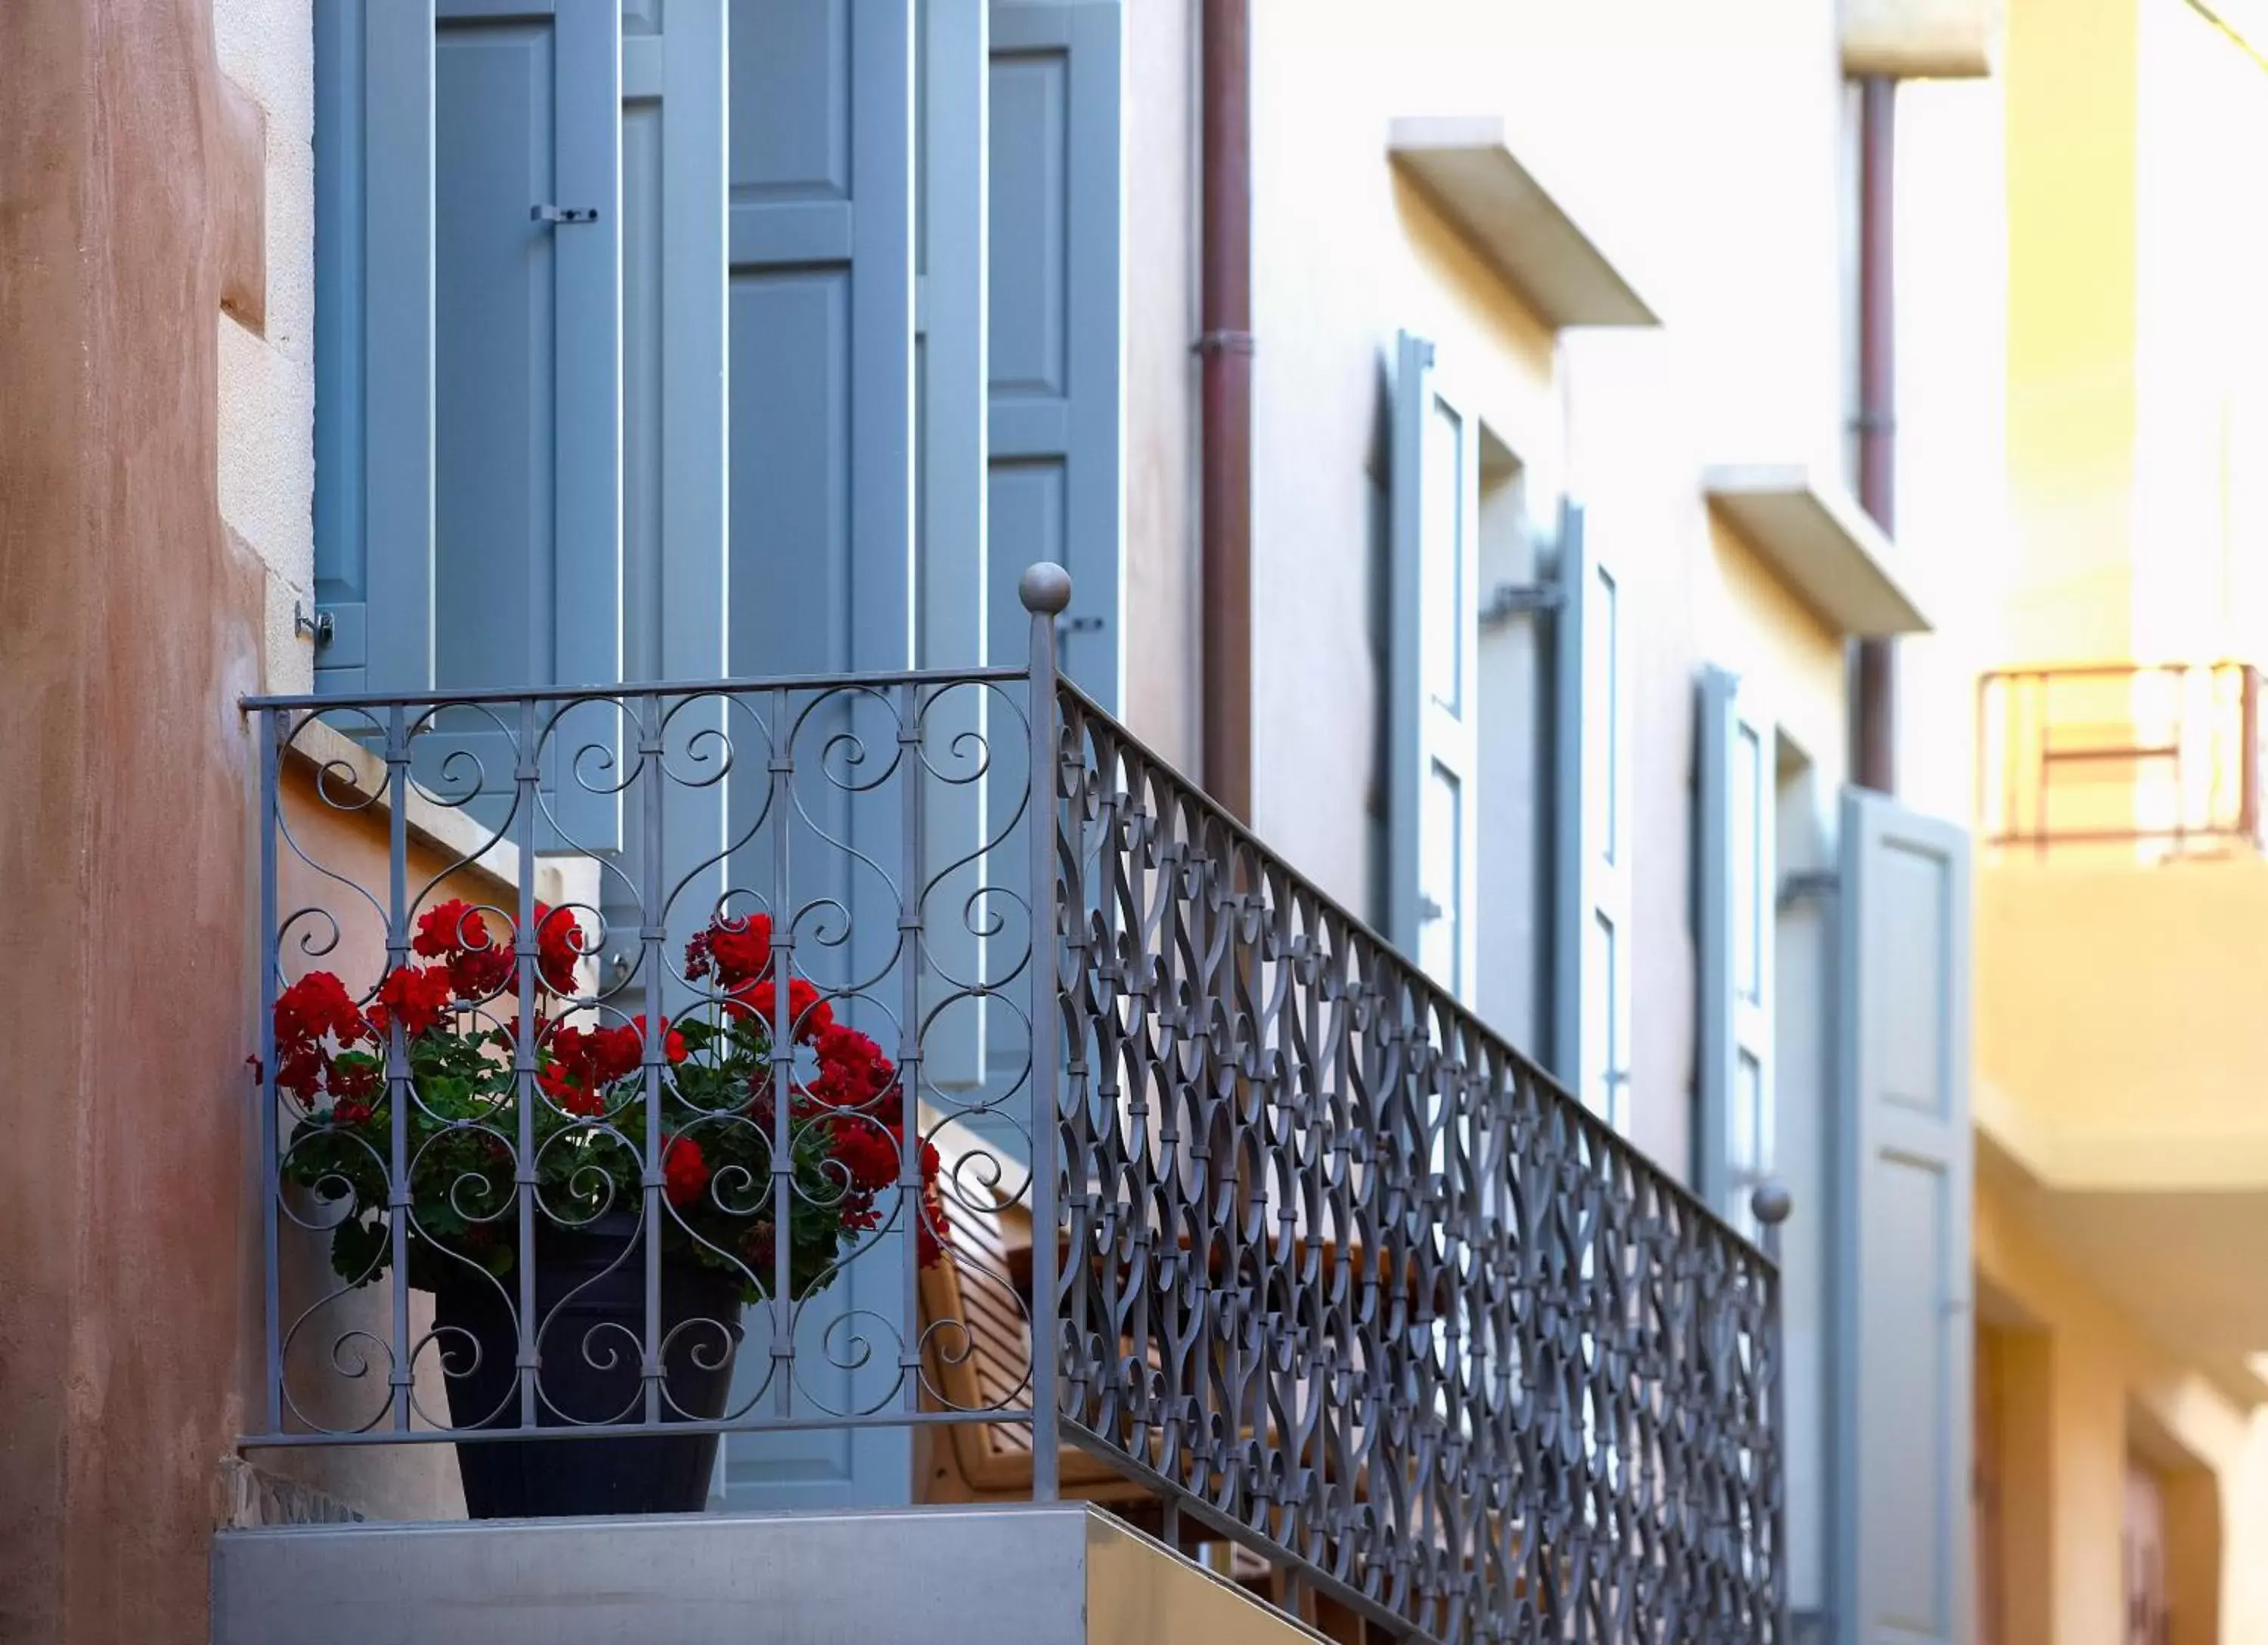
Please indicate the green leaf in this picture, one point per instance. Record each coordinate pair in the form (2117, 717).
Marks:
(359, 1250)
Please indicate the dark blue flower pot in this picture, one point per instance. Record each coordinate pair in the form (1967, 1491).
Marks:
(590, 1309)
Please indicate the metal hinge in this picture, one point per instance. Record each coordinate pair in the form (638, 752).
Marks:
(321, 627)
(562, 214)
(1798, 887)
(1507, 600)
(1065, 627)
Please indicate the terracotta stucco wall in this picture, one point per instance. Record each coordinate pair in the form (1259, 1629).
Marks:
(128, 624)
(156, 308)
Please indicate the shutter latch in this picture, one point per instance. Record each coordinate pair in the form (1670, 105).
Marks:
(1065, 627)
(319, 628)
(562, 214)
(1507, 600)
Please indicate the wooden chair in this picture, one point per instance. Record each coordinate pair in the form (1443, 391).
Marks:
(977, 1345)
(977, 1355)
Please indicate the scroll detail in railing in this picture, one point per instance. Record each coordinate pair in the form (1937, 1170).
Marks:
(643, 1065)
(659, 1153)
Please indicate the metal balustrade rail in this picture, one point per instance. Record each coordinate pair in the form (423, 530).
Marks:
(2161, 757)
(1323, 1266)
(1353, 1278)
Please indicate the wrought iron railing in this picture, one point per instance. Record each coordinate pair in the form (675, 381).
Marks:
(1329, 1269)
(2160, 758)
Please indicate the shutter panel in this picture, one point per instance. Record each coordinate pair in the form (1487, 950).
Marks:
(470, 383)
(956, 592)
(1901, 1200)
(1052, 458)
(673, 422)
(822, 304)
(820, 308)
(374, 344)
(1591, 783)
(1056, 342)
(1435, 671)
(950, 343)
(1735, 829)
(527, 395)
(674, 342)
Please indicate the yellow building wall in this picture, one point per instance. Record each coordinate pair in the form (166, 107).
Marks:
(2070, 89)
(2120, 1041)
(2086, 1391)
(2117, 1041)
(1751, 620)
(2201, 341)
(2137, 349)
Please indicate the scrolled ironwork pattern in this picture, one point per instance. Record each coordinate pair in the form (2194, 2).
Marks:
(1349, 1279)
(494, 1201)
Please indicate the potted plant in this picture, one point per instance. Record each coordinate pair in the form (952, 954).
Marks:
(586, 1083)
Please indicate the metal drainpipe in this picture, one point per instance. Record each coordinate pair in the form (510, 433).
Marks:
(1877, 713)
(1225, 348)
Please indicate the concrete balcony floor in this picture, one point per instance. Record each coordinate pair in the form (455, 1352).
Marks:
(1057, 1573)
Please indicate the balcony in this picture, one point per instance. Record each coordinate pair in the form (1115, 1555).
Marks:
(2123, 907)
(1153, 1229)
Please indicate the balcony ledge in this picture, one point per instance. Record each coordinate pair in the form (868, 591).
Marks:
(1059, 1574)
(1823, 546)
(1466, 167)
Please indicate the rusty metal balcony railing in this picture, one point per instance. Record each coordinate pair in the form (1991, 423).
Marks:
(1314, 1262)
(2164, 759)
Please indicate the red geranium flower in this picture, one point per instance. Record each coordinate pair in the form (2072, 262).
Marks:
(583, 1063)
(300, 1067)
(309, 1014)
(808, 1015)
(417, 996)
(685, 1172)
(853, 1071)
(735, 951)
(867, 1152)
(315, 1006)
(673, 1042)
(455, 933)
(559, 946)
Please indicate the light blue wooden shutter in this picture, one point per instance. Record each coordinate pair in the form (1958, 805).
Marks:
(528, 390)
(1735, 825)
(956, 594)
(1591, 832)
(469, 448)
(1057, 337)
(675, 339)
(1901, 1210)
(1052, 199)
(374, 344)
(1434, 672)
(820, 106)
(673, 422)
